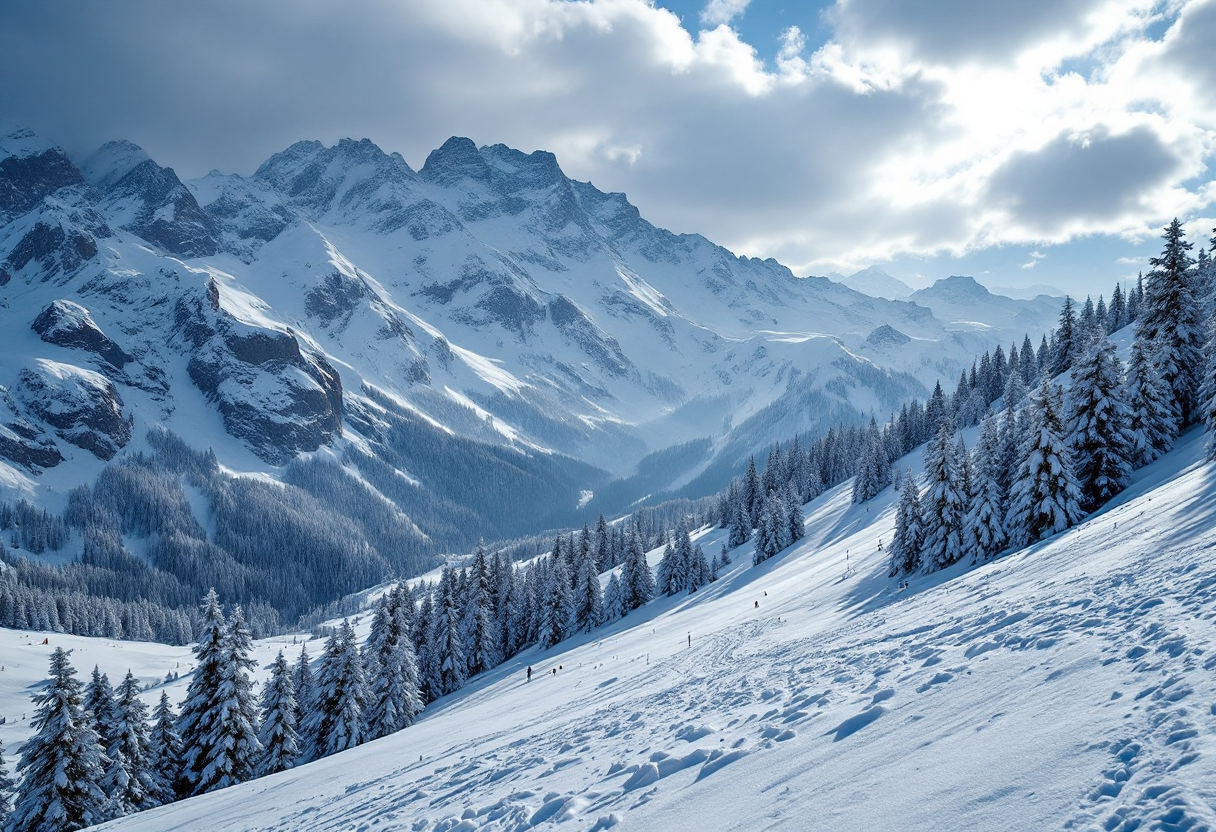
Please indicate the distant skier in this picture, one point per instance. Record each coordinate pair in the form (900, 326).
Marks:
(690, 641)
(529, 673)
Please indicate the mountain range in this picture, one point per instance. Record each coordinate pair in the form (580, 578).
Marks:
(484, 313)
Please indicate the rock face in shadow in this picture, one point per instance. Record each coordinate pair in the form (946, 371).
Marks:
(151, 201)
(279, 399)
(69, 324)
(82, 406)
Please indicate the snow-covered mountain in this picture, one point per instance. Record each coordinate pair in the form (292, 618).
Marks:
(339, 304)
(874, 281)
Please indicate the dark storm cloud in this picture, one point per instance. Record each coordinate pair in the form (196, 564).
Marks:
(1085, 180)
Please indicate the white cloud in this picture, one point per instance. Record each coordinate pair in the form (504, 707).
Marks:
(1035, 257)
(722, 12)
(920, 127)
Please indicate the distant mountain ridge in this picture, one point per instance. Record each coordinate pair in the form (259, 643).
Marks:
(337, 297)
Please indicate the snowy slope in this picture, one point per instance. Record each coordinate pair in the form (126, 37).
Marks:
(1067, 685)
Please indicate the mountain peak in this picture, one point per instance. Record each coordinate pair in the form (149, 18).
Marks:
(111, 162)
(876, 283)
(19, 142)
(959, 286)
(457, 158)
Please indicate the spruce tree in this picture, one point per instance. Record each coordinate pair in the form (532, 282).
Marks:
(1099, 426)
(447, 644)
(985, 518)
(304, 687)
(165, 752)
(603, 545)
(199, 722)
(1171, 318)
(137, 787)
(278, 732)
(1152, 422)
(637, 581)
(1044, 499)
(217, 719)
(478, 626)
(7, 784)
(588, 598)
(700, 572)
(558, 605)
(944, 506)
(1207, 392)
(906, 544)
(753, 493)
(1116, 316)
(612, 599)
(99, 704)
(796, 521)
(336, 720)
(1065, 344)
(665, 574)
(392, 667)
(62, 762)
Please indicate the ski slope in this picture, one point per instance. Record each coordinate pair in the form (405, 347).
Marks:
(1069, 685)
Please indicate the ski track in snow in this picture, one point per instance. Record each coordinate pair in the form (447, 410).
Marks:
(1071, 685)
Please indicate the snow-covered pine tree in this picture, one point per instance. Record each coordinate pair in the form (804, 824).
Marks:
(165, 752)
(1044, 499)
(558, 606)
(278, 732)
(985, 519)
(637, 581)
(1065, 338)
(99, 704)
(588, 598)
(132, 782)
(477, 625)
(1149, 399)
(700, 572)
(612, 599)
(1116, 315)
(944, 506)
(391, 667)
(336, 720)
(740, 524)
(62, 762)
(665, 572)
(753, 493)
(796, 521)
(201, 714)
(906, 544)
(428, 661)
(1207, 392)
(685, 569)
(1099, 425)
(446, 644)
(603, 545)
(1171, 319)
(239, 715)
(1015, 390)
(7, 784)
(874, 469)
(304, 687)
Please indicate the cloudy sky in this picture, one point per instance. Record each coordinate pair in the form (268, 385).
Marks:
(1025, 142)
